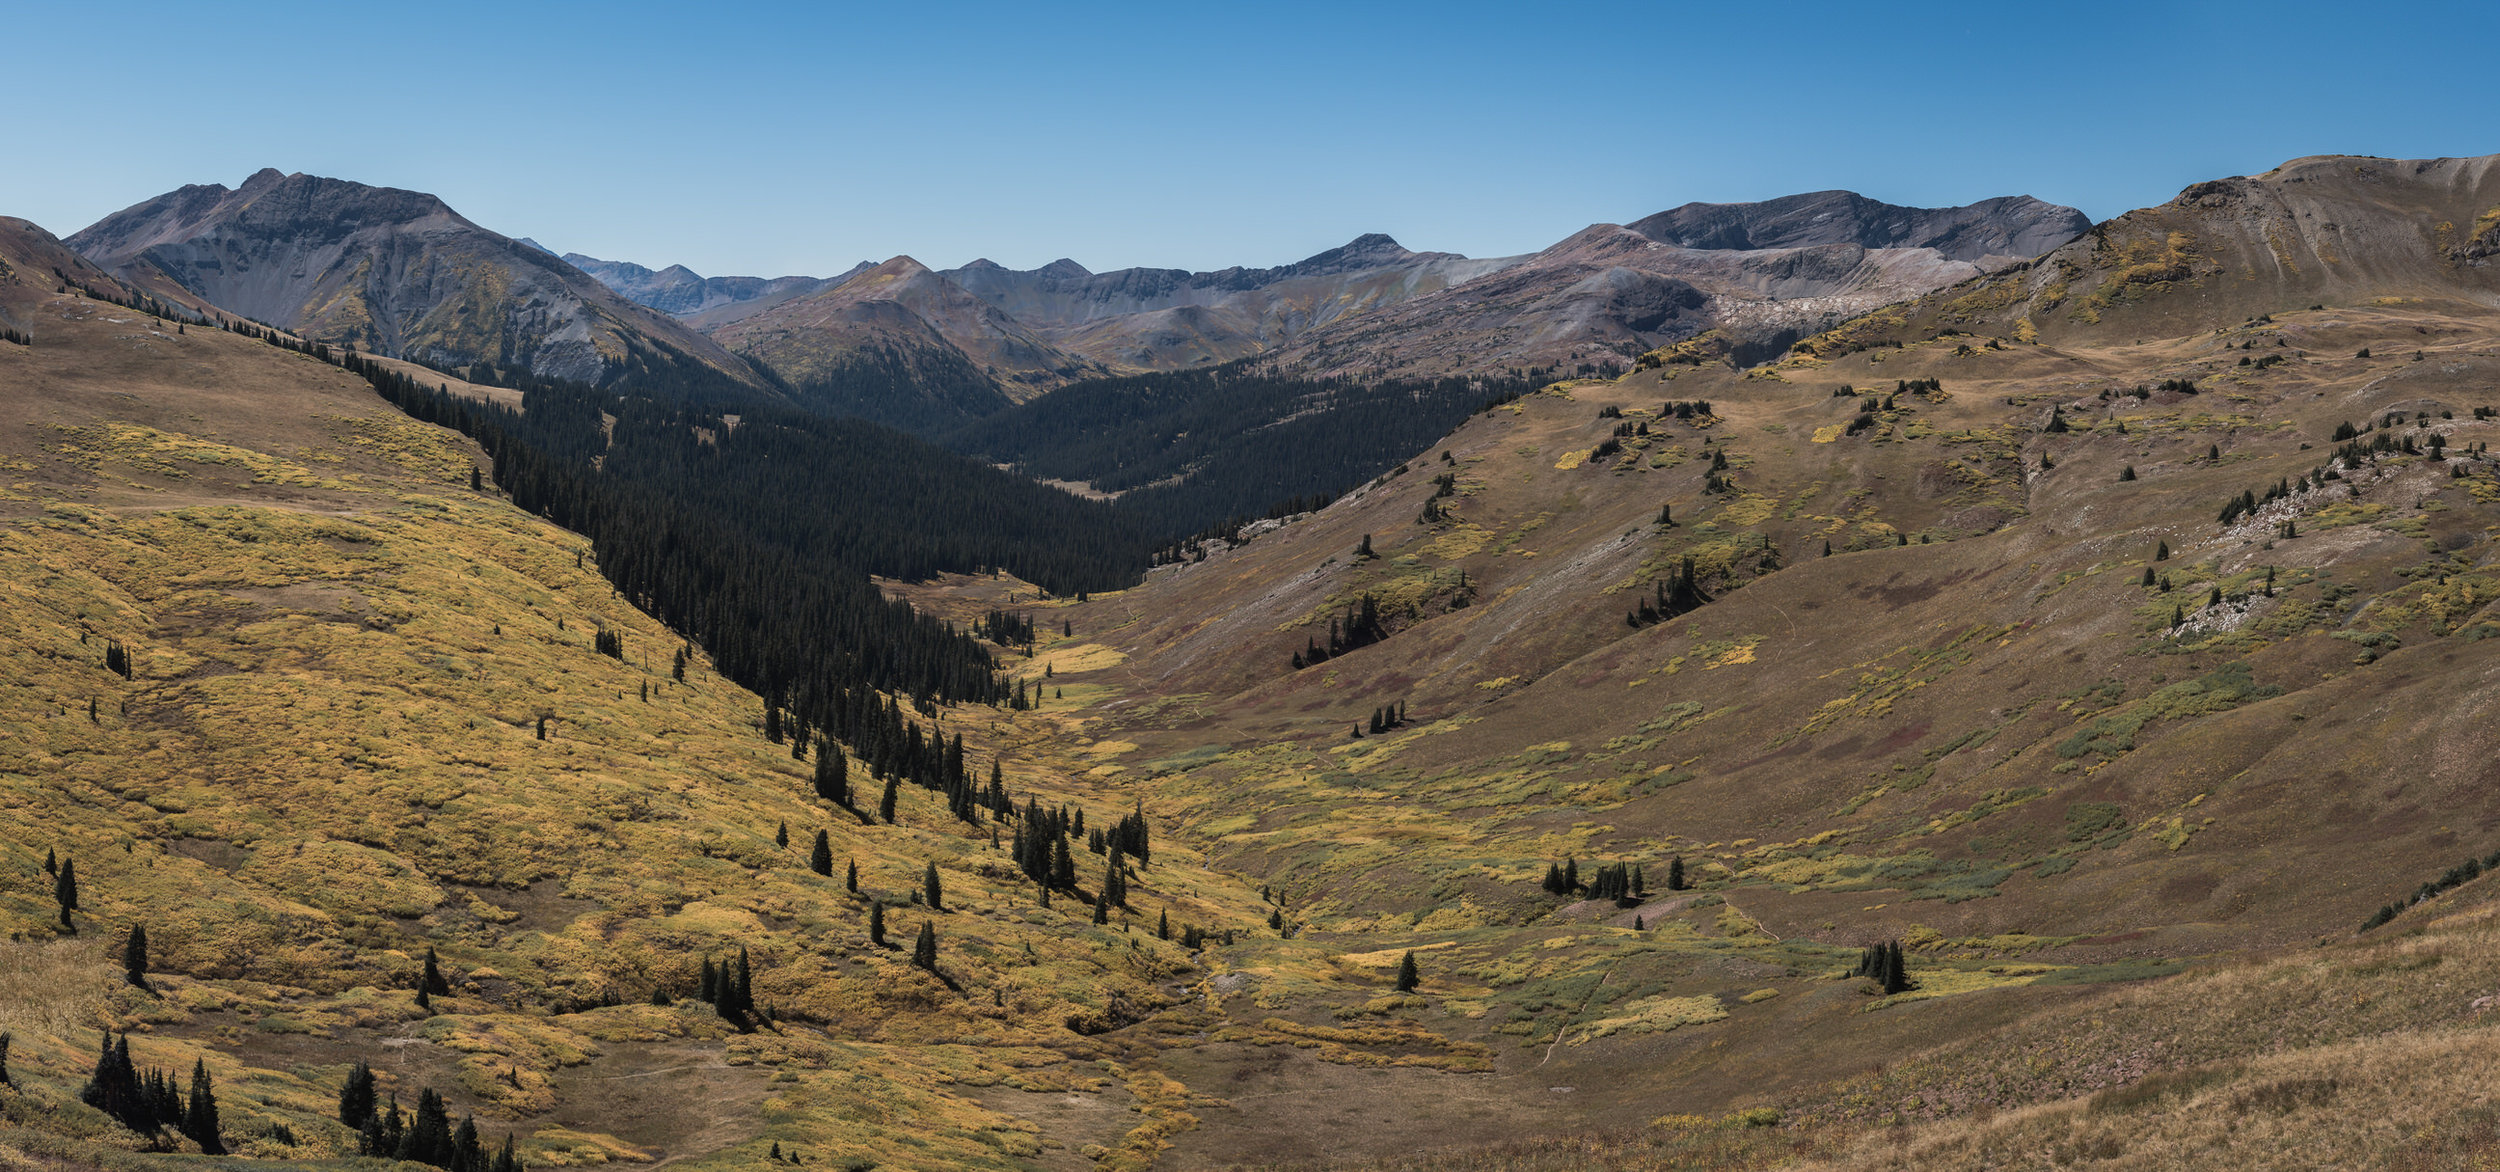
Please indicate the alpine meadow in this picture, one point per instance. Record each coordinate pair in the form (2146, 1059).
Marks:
(1803, 682)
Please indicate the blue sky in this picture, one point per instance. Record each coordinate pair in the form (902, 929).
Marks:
(770, 138)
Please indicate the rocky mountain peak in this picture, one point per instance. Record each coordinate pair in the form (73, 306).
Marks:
(2007, 226)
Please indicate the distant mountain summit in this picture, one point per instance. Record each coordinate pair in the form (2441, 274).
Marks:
(398, 273)
(1760, 274)
(2015, 227)
(1162, 319)
(682, 292)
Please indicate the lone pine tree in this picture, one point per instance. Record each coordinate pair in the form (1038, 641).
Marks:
(135, 956)
(1408, 978)
(65, 891)
(924, 949)
(820, 857)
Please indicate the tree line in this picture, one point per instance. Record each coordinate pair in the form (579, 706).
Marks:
(1196, 451)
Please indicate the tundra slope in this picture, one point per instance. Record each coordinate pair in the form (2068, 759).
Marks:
(1974, 725)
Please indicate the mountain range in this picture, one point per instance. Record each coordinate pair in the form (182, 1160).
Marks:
(2040, 719)
(400, 273)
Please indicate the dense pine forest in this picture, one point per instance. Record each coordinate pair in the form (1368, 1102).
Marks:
(923, 391)
(1191, 450)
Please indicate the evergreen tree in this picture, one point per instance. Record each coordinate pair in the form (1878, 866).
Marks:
(114, 1088)
(885, 805)
(504, 1162)
(1408, 978)
(930, 890)
(1102, 907)
(781, 836)
(745, 986)
(820, 857)
(135, 956)
(199, 1119)
(833, 774)
(466, 1153)
(1276, 919)
(356, 1097)
(433, 979)
(1896, 971)
(1163, 925)
(876, 924)
(709, 989)
(384, 1132)
(1675, 874)
(924, 950)
(65, 892)
(428, 1137)
(850, 876)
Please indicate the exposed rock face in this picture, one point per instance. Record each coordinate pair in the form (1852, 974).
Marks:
(2329, 230)
(398, 273)
(2015, 227)
(1764, 274)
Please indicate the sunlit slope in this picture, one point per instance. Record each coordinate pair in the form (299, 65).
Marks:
(327, 757)
(1995, 726)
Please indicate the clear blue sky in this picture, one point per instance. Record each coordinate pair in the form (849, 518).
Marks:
(769, 138)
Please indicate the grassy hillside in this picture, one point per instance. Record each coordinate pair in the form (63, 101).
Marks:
(1971, 725)
(1988, 655)
(326, 759)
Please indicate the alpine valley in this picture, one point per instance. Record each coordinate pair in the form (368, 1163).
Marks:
(1810, 683)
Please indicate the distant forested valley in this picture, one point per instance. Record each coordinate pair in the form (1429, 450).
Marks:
(1194, 451)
